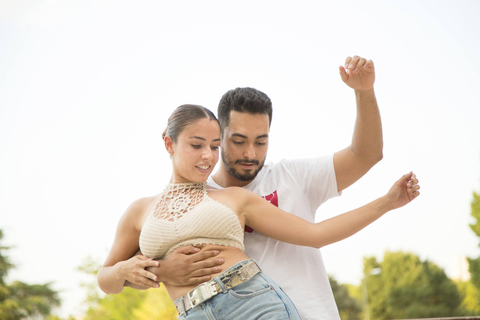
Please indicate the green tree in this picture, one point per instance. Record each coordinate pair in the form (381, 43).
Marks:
(348, 307)
(474, 264)
(470, 298)
(156, 305)
(19, 300)
(406, 287)
(117, 307)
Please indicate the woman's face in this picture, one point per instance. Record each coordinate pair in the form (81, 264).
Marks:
(196, 151)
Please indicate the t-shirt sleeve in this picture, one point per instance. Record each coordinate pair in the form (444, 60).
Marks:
(317, 178)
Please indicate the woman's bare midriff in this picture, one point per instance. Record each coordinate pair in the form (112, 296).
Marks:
(230, 255)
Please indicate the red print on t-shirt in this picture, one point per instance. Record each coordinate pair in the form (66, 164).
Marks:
(273, 199)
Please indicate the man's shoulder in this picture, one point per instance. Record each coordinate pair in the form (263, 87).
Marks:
(289, 172)
(298, 163)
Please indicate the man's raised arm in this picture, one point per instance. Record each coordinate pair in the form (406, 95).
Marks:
(366, 148)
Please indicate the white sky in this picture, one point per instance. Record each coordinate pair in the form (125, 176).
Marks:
(86, 88)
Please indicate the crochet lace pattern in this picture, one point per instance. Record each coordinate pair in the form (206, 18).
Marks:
(185, 215)
(177, 199)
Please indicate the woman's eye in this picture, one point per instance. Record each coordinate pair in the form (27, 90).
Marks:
(237, 142)
(214, 148)
(196, 146)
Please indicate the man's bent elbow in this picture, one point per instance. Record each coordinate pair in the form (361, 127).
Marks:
(379, 157)
(374, 157)
(368, 161)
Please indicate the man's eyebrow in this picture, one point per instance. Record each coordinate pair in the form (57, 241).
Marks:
(245, 137)
(239, 135)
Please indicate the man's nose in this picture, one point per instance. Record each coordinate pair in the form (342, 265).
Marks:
(249, 152)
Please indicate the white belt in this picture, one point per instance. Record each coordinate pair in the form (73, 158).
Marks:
(206, 290)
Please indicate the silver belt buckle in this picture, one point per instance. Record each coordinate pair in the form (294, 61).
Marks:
(202, 293)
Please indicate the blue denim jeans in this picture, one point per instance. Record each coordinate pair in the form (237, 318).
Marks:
(259, 298)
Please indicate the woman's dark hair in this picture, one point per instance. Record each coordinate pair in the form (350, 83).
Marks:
(183, 116)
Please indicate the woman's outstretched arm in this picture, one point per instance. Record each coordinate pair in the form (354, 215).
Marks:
(277, 224)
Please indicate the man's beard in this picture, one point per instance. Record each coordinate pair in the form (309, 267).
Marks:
(242, 177)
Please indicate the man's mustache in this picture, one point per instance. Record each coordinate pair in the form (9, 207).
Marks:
(247, 161)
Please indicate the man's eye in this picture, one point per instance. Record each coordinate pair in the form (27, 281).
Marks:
(261, 143)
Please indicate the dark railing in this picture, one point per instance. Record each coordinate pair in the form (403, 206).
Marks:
(455, 318)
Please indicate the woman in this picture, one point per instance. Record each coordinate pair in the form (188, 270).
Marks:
(188, 212)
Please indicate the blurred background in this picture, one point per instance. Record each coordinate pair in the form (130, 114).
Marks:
(86, 88)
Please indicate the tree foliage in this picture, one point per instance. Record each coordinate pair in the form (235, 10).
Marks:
(348, 307)
(19, 300)
(474, 264)
(475, 206)
(470, 298)
(408, 288)
(154, 304)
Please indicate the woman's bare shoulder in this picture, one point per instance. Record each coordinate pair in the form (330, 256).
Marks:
(233, 195)
(142, 204)
(138, 209)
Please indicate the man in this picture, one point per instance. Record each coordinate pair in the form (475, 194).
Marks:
(296, 186)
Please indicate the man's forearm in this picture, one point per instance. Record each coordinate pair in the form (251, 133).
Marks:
(367, 141)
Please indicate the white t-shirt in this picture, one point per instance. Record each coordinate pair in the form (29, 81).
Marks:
(298, 187)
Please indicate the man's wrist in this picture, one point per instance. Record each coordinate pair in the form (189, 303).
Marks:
(364, 92)
(365, 98)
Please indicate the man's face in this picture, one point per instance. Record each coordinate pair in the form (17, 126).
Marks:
(245, 144)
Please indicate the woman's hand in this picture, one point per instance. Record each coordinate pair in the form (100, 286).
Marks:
(403, 191)
(135, 274)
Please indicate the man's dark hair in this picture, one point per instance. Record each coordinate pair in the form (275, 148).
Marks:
(249, 100)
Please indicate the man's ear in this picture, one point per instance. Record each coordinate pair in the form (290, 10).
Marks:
(168, 144)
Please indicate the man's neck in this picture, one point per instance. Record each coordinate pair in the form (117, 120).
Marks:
(224, 179)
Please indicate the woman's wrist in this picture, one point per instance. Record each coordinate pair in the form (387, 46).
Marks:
(386, 204)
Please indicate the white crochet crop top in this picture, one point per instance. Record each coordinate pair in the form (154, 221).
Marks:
(186, 215)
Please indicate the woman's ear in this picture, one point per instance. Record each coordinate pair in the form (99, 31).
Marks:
(168, 145)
